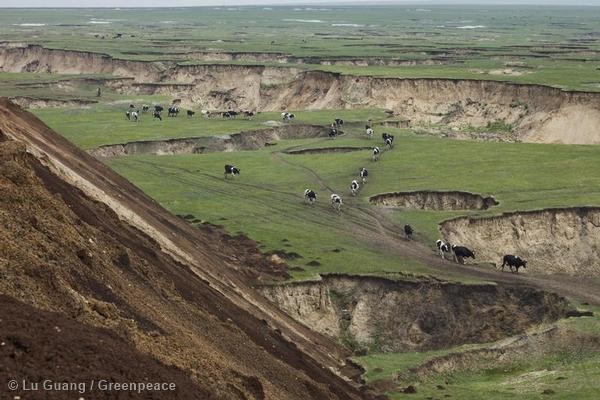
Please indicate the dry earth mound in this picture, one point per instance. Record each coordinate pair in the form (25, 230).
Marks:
(565, 240)
(432, 200)
(80, 240)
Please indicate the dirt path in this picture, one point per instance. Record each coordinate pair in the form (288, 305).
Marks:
(374, 228)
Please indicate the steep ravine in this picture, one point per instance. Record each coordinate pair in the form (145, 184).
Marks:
(395, 316)
(535, 113)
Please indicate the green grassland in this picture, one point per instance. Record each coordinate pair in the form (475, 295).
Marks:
(548, 45)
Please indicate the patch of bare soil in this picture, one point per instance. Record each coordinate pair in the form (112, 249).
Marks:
(42, 345)
(433, 200)
(564, 240)
(36, 102)
(79, 240)
(250, 140)
(394, 316)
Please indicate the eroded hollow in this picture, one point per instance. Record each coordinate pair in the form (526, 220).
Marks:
(432, 200)
(392, 316)
(563, 240)
(250, 140)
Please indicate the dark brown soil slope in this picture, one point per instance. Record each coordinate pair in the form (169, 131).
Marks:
(45, 345)
(80, 240)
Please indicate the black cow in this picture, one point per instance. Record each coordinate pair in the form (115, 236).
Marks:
(190, 113)
(231, 170)
(408, 231)
(158, 108)
(442, 248)
(156, 115)
(339, 122)
(364, 174)
(513, 262)
(461, 252)
(310, 196)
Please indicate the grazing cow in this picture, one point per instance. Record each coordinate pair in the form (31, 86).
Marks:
(336, 202)
(376, 153)
(333, 133)
(145, 108)
(310, 196)
(231, 170)
(190, 113)
(158, 108)
(388, 143)
(369, 132)
(364, 174)
(286, 116)
(442, 248)
(408, 231)
(461, 252)
(513, 262)
(338, 122)
(135, 115)
(354, 186)
(173, 111)
(249, 114)
(156, 115)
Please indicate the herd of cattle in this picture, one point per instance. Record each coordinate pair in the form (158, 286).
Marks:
(459, 253)
(134, 114)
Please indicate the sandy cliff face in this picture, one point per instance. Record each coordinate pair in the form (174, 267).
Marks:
(552, 241)
(536, 113)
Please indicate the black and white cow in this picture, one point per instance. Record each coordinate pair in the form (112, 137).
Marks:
(513, 261)
(336, 202)
(134, 115)
(442, 248)
(286, 116)
(156, 115)
(249, 114)
(369, 132)
(190, 113)
(389, 143)
(363, 174)
(408, 231)
(376, 153)
(310, 196)
(461, 252)
(332, 133)
(354, 186)
(145, 108)
(173, 111)
(231, 170)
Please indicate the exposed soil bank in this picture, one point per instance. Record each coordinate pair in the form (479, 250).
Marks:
(319, 150)
(431, 200)
(36, 102)
(559, 240)
(250, 140)
(392, 316)
(535, 113)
